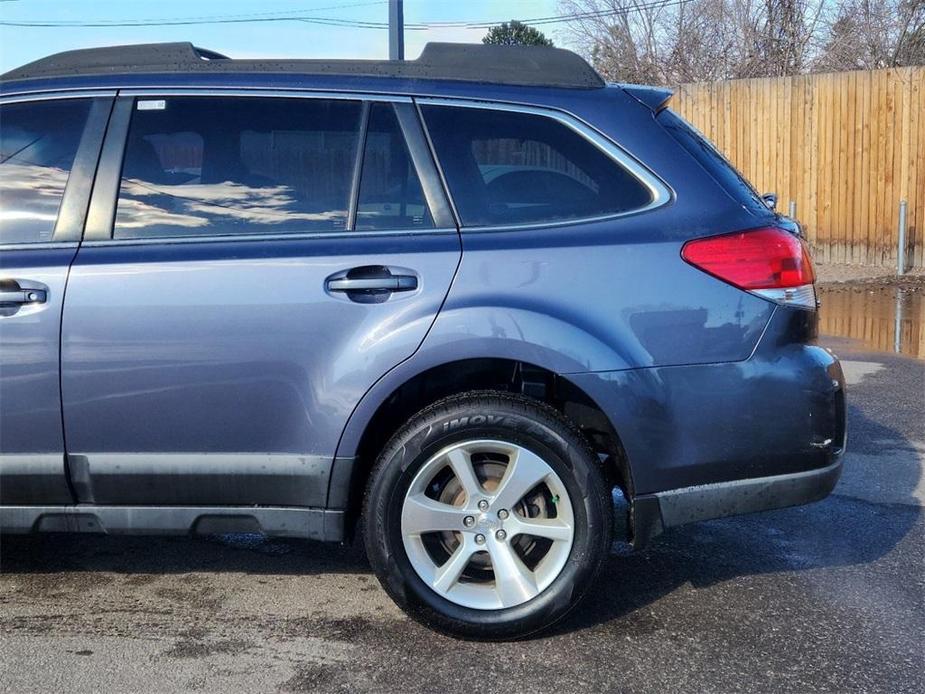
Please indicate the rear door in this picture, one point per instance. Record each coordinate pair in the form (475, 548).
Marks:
(251, 266)
(49, 146)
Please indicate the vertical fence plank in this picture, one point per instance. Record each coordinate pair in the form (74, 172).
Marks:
(843, 176)
(857, 192)
(863, 172)
(916, 164)
(824, 166)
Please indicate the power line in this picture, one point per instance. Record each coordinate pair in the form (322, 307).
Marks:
(257, 15)
(561, 18)
(279, 15)
(340, 22)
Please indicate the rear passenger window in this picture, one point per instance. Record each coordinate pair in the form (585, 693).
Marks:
(506, 167)
(220, 165)
(390, 191)
(38, 144)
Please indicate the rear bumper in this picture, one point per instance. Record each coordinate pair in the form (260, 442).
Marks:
(714, 440)
(653, 513)
(688, 426)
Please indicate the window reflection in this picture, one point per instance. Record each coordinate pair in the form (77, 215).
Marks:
(209, 165)
(390, 191)
(514, 168)
(38, 143)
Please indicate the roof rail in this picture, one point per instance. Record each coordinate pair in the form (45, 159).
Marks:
(509, 65)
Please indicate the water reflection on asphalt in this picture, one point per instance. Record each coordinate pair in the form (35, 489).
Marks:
(882, 318)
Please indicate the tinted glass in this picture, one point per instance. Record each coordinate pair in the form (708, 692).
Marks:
(390, 191)
(216, 165)
(710, 158)
(38, 143)
(514, 168)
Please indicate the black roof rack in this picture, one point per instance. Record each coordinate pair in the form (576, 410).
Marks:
(509, 65)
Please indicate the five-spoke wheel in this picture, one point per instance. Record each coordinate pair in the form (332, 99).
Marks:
(487, 524)
(487, 516)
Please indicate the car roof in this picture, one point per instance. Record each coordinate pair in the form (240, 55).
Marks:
(475, 63)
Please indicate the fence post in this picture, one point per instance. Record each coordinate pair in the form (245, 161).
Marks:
(901, 251)
(898, 322)
(792, 209)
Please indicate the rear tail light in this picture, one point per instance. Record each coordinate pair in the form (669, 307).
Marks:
(770, 262)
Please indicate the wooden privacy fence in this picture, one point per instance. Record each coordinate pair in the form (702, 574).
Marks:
(845, 147)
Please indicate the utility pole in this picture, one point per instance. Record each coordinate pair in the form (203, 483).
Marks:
(396, 30)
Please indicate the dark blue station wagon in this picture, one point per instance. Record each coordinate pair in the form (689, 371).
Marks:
(448, 304)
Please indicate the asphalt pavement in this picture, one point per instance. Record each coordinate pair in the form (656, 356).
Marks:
(824, 598)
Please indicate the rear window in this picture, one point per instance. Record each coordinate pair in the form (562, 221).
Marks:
(508, 167)
(391, 196)
(714, 163)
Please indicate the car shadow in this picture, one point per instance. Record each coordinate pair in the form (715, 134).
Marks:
(238, 552)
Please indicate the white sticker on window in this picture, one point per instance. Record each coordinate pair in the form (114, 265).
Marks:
(151, 104)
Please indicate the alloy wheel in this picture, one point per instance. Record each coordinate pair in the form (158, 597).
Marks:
(487, 524)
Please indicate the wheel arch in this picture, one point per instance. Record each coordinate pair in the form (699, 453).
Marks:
(406, 391)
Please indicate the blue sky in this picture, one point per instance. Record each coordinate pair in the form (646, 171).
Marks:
(20, 45)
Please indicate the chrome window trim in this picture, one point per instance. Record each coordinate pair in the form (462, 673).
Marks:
(259, 92)
(294, 236)
(207, 90)
(659, 189)
(54, 95)
(40, 246)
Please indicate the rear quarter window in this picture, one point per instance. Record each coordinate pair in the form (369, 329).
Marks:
(711, 159)
(510, 167)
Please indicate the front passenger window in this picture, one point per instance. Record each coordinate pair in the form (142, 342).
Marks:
(38, 144)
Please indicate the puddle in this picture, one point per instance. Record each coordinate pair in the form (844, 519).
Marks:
(883, 319)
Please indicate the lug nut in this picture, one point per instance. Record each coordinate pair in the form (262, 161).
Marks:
(501, 536)
(468, 521)
(502, 514)
(483, 505)
(480, 539)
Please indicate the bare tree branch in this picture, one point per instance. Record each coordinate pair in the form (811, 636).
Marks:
(676, 41)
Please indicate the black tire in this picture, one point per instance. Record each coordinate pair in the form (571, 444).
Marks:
(514, 419)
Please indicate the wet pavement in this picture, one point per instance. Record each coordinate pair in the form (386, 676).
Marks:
(882, 318)
(824, 598)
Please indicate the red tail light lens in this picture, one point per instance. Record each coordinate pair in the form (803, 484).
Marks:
(768, 258)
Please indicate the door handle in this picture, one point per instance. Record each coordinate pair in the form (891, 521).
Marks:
(395, 283)
(22, 296)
